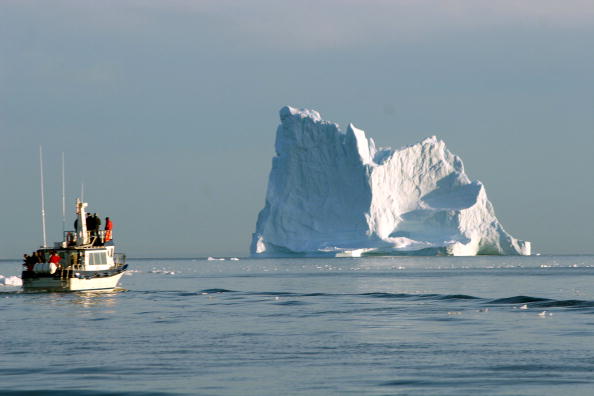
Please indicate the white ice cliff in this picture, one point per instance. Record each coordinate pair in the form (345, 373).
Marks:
(334, 193)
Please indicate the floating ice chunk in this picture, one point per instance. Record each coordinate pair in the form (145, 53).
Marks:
(234, 259)
(524, 306)
(333, 193)
(544, 314)
(10, 281)
(215, 259)
(161, 271)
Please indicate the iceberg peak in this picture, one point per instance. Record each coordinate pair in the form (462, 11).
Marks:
(431, 140)
(288, 111)
(334, 193)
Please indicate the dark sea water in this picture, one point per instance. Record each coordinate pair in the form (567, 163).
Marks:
(369, 326)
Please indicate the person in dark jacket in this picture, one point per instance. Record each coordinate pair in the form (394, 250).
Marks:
(97, 223)
(30, 262)
(90, 223)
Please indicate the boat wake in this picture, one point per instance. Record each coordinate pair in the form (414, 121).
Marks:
(517, 302)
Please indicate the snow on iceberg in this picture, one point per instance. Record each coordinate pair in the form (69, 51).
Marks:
(333, 193)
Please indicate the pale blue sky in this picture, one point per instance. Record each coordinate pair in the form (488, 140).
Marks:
(168, 109)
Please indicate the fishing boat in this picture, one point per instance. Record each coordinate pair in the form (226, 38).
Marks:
(83, 260)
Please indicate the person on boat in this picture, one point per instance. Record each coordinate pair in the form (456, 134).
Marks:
(55, 259)
(71, 238)
(97, 223)
(75, 258)
(38, 256)
(90, 223)
(30, 262)
(108, 228)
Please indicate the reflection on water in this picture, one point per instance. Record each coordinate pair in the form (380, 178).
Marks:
(89, 298)
(105, 298)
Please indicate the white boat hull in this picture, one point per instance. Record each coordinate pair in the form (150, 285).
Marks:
(71, 284)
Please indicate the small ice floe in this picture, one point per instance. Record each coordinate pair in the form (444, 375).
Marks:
(161, 271)
(234, 259)
(215, 258)
(544, 314)
(483, 310)
(10, 281)
(525, 306)
(454, 313)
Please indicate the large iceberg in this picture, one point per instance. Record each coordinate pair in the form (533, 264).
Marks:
(333, 193)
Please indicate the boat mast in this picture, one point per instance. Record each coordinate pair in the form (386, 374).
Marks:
(42, 198)
(63, 197)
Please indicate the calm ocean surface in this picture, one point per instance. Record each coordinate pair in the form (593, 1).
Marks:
(369, 326)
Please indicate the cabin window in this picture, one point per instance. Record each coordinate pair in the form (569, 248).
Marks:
(99, 258)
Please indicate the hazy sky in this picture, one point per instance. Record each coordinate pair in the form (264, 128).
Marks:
(167, 110)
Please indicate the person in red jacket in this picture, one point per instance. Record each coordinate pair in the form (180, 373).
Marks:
(55, 259)
(108, 228)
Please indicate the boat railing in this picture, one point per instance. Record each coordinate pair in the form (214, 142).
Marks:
(66, 272)
(101, 236)
(119, 259)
